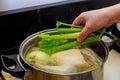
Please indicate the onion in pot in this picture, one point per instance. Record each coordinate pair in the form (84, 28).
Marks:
(37, 57)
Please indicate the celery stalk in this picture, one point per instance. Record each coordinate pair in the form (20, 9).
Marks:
(90, 39)
(69, 30)
(59, 24)
(59, 36)
(72, 30)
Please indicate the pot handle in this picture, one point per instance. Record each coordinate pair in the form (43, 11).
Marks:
(116, 30)
(111, 40)
(10, 64)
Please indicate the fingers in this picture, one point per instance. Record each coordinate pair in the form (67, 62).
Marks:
(79, 21)
(84, 33)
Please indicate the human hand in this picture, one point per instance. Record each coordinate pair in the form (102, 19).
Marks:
(92, 20)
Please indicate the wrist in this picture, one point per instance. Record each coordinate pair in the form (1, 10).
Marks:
(114, 13)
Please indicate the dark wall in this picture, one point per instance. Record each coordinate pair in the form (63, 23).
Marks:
(67, 13)
(14, 28)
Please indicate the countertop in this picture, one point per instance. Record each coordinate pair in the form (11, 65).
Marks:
(15, 6)
(112, 66)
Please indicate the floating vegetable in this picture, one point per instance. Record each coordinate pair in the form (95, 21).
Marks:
(37, 57)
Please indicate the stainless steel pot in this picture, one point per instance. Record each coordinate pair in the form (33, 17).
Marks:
(22, 67)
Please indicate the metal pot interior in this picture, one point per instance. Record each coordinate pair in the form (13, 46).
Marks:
(99, 47)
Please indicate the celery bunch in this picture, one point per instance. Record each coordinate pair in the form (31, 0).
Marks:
(66, 38)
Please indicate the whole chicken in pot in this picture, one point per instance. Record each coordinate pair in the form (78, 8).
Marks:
(70, 61)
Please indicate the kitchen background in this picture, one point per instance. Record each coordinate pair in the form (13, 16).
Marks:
(16, 25)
